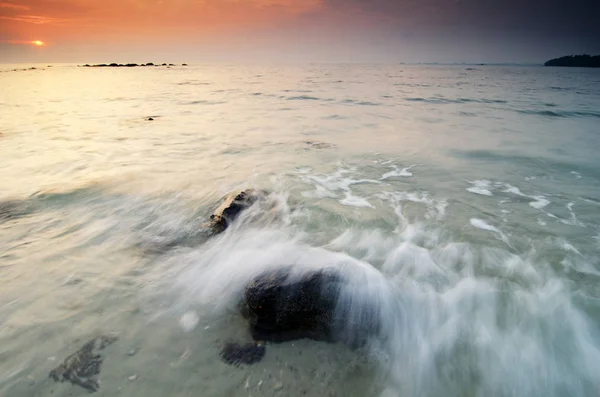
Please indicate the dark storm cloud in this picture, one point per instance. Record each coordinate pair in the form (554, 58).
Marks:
(575, 19)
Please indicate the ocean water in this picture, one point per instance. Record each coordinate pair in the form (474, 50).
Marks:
(462, 201)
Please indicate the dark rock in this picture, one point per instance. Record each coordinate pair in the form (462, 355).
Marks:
(282, 306)
(584, 61)
(230, 209)
(149, 64)
(150, 119)
(236, 354)
(82, 367)
(131, 65)
(114, 65)
(164, 64)
(318, 145)
(184, 64)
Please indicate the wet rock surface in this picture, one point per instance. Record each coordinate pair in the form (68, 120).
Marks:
(282, 306)
(242, 354)
(82, 368)
(231, 208)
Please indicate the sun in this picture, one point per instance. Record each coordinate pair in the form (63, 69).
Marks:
(38, 43)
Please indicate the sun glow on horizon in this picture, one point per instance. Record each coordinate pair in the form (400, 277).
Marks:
(38, 43)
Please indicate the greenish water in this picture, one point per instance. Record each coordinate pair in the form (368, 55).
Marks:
(465, 202)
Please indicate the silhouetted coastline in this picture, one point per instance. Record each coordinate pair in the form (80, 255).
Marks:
(580, 61)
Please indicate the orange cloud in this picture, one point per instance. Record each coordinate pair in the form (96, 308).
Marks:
(34, 19)
(13, 6)
(158, 15)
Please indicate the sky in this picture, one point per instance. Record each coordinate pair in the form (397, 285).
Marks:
(489, 31)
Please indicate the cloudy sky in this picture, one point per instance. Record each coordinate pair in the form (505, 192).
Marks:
(297, 30)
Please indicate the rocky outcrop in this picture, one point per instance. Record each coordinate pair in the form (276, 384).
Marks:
(283, 306)
(231, 208)
(125, 65)
(582, 61)
(83, 367)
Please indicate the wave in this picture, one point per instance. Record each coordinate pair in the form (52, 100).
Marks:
(361, 103)
(455, 316)
(559, 113)
(204, 102)
(303, 98)
(436, 100)
(194, 82)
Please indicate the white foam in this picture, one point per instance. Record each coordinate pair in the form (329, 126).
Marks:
(514, 190)
(539, 203)
(441, 208)
(398, 172)
(573, 221)
(564, 244)
(327, 185)
(189, 321)
(355, 201)
(576, 174)
(480, 191)
(481, 224)
(481, 187)
(435, 208)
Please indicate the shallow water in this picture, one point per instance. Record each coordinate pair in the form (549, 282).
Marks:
(463, 203)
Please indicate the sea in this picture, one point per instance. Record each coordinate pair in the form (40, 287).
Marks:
(462, 201)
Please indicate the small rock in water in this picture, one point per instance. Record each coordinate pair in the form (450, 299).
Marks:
(278, 386)
(189, 321)
(133, 352)
(150, 119)
(83, 367)
(132, 377)
(236, 354)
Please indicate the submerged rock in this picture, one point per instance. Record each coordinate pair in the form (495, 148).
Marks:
(231, 208)
(236, 354)
(282, 306)
(83, 367)
(318, 145)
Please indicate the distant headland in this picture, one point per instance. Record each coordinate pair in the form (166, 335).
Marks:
(580, 61)
(128, 65)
